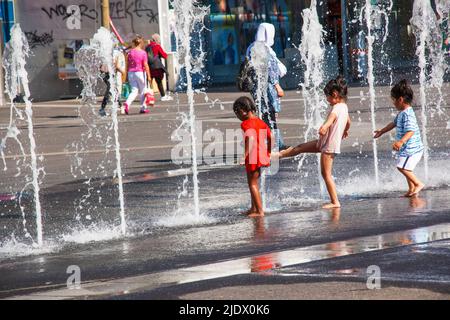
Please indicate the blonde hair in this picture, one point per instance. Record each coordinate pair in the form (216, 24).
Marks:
(138, 40)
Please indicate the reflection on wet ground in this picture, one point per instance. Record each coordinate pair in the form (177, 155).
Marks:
(262, 264)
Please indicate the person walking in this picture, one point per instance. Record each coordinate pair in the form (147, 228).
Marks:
(270, 103)
(138, 74)
(157, 69)
(120, 70)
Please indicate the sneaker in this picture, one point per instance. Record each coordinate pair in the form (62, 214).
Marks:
(144, 111)
(125, 108)
(102, 113)
(166, 98)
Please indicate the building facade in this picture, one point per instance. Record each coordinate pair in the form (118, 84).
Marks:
(231, 27)
(54, 37)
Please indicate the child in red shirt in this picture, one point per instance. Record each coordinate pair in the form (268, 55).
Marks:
(258, 139)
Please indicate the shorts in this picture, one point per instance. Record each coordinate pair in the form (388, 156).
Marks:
(409, 163)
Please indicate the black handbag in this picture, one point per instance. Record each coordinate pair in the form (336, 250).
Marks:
(245, 79)
(154, 62)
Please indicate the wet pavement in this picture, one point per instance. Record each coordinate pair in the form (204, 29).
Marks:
(406, 272)
(168, 252)
(159, 244)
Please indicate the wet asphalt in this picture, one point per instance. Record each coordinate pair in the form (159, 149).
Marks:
(409, 272)
(229, 235)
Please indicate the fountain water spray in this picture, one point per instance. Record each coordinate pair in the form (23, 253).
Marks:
(88, 61)
(379, 29)
(260, 55)
(190, 15)
(385, 12)
(14, 62)
(312, 53)
(429, 41)
(371, 80)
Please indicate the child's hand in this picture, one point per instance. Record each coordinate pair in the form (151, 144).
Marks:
(345, 135)
(378, 133)
(242, 161)
(280, 91)
(397, 145)
(323, 131)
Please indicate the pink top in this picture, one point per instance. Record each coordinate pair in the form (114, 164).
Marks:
(136, 60)
(331, 142)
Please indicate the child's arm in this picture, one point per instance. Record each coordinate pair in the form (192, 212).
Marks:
(398, 144)
(149, 76)
(347, 127)
(324, 128)
(280, 91)
(389, 127)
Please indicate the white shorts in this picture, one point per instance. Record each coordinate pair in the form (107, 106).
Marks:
(409, 163)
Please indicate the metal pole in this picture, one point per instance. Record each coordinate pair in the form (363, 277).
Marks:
(164, 33)
(16, 15)
(164, 30)
(344, 38)
(105, 14)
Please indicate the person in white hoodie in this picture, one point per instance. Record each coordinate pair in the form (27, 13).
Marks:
(270, 103)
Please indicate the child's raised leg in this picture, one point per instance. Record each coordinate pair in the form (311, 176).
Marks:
(253, 185)
(411, 177)
(308, 147)
(326, 165)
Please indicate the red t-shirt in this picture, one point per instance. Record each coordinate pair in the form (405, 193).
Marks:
(259, 155)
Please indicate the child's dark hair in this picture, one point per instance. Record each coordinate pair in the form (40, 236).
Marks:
(339, 85)
(244, 103)
(402, 89)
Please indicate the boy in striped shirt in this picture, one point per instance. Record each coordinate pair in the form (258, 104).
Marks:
(408, 140)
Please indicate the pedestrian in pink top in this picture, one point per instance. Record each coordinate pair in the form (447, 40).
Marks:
(138, 74)
(331, 134)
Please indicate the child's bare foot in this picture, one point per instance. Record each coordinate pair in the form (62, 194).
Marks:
(331, 205)
(417, 189)
(249, 211)
(409, 194)
(275, 155)
(256, 214)
(284, 153)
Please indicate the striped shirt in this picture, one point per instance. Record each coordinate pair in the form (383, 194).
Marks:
(406, 121)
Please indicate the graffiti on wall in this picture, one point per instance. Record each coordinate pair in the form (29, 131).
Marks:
(129, 9)
(59, 18)
(35, 39)
(60, 11)
(135, 12)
